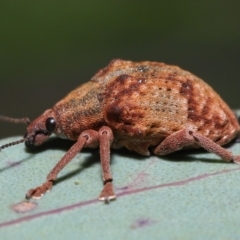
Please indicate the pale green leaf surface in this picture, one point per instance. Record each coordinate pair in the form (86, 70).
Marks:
(186, 195)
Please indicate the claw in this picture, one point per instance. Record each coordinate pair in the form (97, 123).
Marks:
(34, 193)
(38, 192)
(107, 193)
(236, 159)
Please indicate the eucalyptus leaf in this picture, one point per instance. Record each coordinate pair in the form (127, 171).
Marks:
(188, 191)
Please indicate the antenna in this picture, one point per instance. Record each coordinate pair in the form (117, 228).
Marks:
(15, 120)
(13, 143)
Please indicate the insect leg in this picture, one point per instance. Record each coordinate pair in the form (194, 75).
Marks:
(174, 142)
(185, 138)
(211, 146)
(88, 138)
(105, 140)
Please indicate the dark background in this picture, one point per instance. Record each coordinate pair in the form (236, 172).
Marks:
(48, 48)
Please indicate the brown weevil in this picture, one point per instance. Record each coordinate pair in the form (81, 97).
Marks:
(143, 106)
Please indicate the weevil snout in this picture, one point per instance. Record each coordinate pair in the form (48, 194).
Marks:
(40, 129)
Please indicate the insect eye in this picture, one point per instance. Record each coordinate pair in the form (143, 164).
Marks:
(50, 124)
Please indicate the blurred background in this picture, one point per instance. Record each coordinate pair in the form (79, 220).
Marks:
(48, 48)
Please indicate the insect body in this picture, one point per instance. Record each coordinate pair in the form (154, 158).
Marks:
(143, 106)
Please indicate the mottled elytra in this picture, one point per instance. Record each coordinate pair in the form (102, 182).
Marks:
(147, 107)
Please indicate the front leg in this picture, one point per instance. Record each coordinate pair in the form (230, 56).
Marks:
(105, 140)
(88, 138)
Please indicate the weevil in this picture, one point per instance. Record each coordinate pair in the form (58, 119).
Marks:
(146, 107)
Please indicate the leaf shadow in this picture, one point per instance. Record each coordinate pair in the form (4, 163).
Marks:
(187, 155)
(88, 162)
(192, 155)
(64, 145)
(15, 164)
(53, 143)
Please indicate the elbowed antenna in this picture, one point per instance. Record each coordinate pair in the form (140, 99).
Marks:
(15, 120)
(13, 143)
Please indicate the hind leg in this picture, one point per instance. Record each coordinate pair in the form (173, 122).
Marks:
(185, 138)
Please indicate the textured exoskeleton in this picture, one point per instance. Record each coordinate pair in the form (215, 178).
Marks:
(143, 106)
